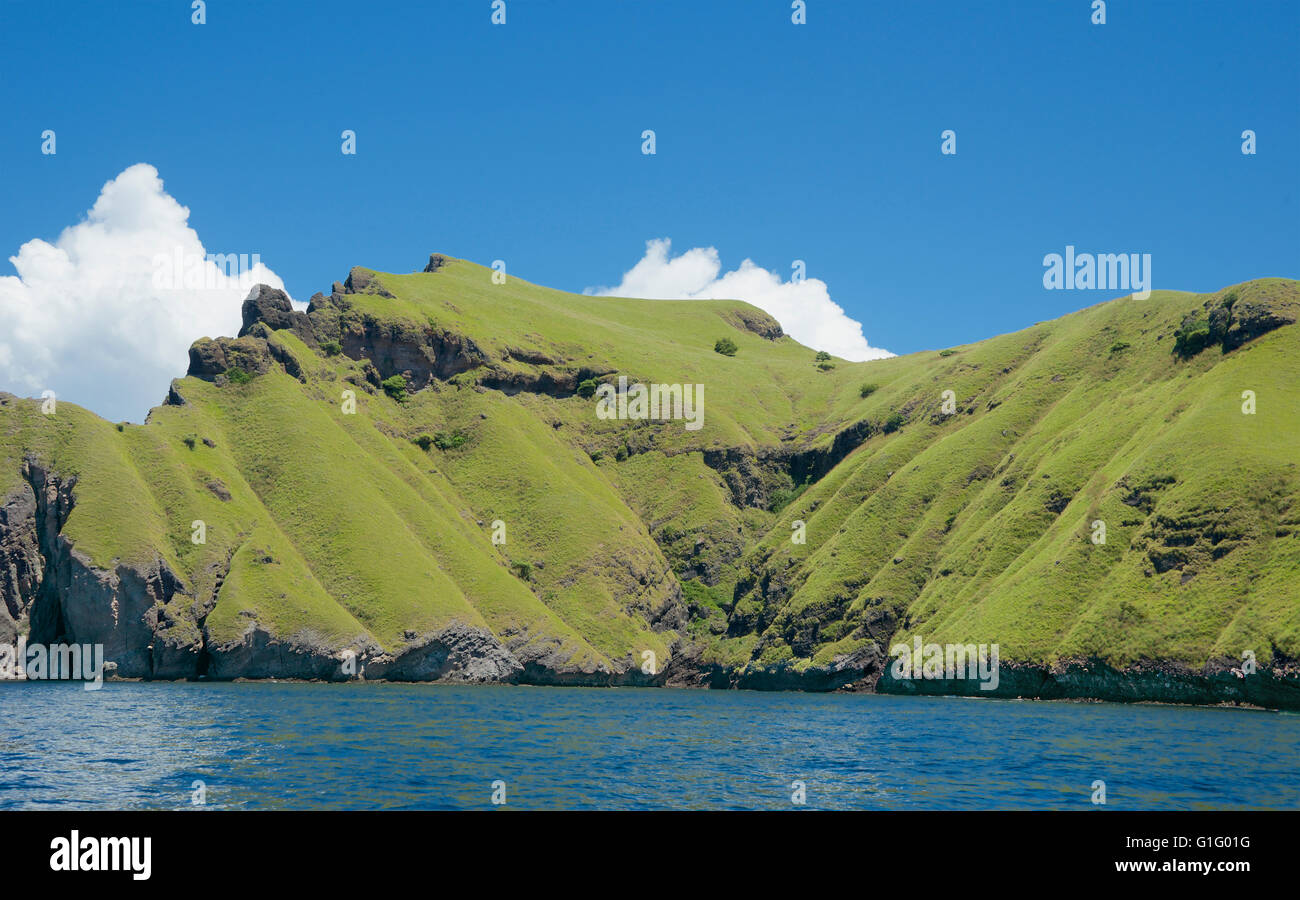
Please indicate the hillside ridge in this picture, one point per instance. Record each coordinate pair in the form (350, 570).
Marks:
(407, 481)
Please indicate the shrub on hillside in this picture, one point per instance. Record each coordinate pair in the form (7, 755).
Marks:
(893, 423)
(783, 497)
(332, 348)
(1202, 328)
(588, 388)
(424, 442)
(395, 387)
(868, 389)
(236, 375)
(725, 346)
(450, 440)
(1192, 336)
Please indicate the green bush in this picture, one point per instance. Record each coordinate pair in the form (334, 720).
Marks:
(424, 442)
(395, 387)
(894, 422)
(1200, 329)
(332, 348)
(783, 497)
(947, 352)
(236, 375)
(1192, 336)
(523, 570)
(822, 356)
(190, 440)
(725, 346)
(825, 366)
(868, 389)
(1118, 346)
(588, 388)
(450, 440)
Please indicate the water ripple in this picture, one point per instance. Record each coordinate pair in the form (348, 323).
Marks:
(382, 746)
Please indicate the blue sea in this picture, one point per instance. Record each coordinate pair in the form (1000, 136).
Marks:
(394, 746)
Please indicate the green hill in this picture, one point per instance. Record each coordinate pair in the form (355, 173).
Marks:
(475, 519)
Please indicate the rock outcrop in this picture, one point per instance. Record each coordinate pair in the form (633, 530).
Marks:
(212, 358)
(273, 308)
(54, 594)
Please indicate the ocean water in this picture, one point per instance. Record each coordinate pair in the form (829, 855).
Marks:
(392, 746)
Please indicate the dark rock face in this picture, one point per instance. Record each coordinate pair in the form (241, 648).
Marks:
(395, 348)
(755, 320)
(811, 465)
(209, 358)
(363, 281)
(279, 353)
(21, 565)
(123, 610)
(272, 309)
(422, 354)
(64, 598)
(550, 382)
(1250, 319)
(257, 654)
(457, 653)
(266, 304)
(751, 477)
(843, 670)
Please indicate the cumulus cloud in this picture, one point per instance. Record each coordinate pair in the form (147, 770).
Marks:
(804, 309)
(105, 315)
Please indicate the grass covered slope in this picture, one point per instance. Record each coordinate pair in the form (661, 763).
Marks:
(410, 480)
(979, 526)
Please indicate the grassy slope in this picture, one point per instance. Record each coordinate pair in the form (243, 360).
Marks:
(977, 527)
(339, 530)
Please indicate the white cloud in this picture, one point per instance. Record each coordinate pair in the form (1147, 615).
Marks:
(804, 309)
(88, 316)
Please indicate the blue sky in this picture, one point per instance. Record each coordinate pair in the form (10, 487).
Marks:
(774, 141)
